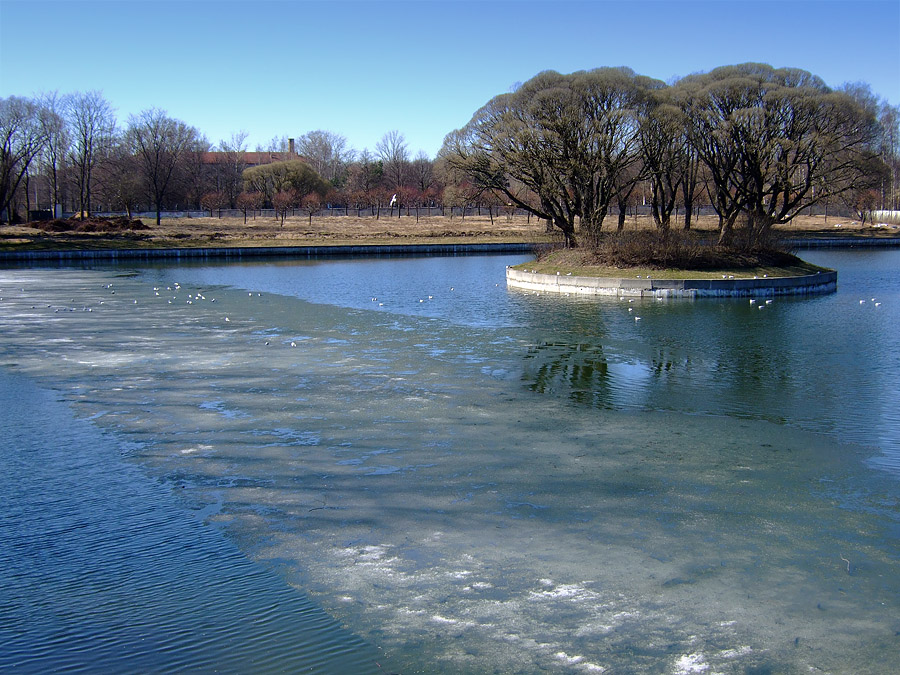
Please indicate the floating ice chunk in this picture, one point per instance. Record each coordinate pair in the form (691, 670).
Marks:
(571, 660)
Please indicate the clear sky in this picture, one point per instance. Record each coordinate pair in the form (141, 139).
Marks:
(361, 69)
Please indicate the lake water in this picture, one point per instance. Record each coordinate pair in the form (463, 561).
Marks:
(399, 465)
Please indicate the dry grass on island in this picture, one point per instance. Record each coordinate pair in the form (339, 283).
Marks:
(300, 230)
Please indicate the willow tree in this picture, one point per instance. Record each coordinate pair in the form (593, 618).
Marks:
(569, 139)
(666, 155)
(294, 176)
(775, 142)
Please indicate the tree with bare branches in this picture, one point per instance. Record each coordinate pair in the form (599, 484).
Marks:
(92, 125)
(395, 162)
(570, 139)
(328, 153)
(22, 136)
(249, 201)
(775, 142)
(160, 143)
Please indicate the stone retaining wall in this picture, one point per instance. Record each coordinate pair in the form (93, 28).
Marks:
(823, 282)
(244, 252)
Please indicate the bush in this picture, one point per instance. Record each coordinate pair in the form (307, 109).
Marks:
(677, 250)
(91, 225)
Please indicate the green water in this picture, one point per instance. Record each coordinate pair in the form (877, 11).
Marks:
(482, 481)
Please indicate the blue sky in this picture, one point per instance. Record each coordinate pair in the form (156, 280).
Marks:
(361, 69)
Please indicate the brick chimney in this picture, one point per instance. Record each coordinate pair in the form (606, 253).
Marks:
(291, 146)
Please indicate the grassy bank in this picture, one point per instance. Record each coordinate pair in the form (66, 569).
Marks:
(565, 262)
(351, 230)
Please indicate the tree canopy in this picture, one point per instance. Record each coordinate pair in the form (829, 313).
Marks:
(159, 142)
(21, 138)
(774, 141)
(293, 176)
(569, 139)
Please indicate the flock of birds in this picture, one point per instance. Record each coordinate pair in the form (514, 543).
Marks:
(199, 296)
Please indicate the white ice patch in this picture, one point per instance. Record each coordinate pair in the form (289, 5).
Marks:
(202, 447)
(571, 660)
(572, 592)
(691, 663)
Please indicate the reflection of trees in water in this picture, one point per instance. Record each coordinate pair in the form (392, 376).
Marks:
(582, 373)
(578, 369)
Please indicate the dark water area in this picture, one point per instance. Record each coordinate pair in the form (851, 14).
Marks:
(104, 571)
(333, 464)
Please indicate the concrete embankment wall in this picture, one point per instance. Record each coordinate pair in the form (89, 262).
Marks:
(252, 252)
(823, 282)
(843, 242)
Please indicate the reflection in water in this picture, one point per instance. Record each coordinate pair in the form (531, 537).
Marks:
(523, 495)
(581, 368)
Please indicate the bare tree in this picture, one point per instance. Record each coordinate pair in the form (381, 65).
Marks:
(249, 201)
(57, 145)
(92, 127)
(22, 135)
(776, 142)
(328, 153)
(395, 162)
(160, 143)
(277, 144)
(230, 166)
(570, 139)
(118, 178)
(422, 170)
(366, 175)
(196, 174)
(664, 148)
(889, 120)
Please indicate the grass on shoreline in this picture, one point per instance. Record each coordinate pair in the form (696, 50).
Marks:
(561, 263)
(356, 231)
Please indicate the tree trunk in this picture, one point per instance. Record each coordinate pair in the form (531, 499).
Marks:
(568, 230)
(27, 197)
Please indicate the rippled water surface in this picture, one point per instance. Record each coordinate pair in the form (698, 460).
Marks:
(466, 478)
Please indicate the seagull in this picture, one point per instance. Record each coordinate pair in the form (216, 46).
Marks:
(293, 344)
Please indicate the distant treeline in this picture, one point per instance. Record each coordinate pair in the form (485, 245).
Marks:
(754, 143)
